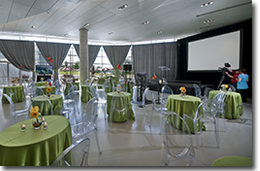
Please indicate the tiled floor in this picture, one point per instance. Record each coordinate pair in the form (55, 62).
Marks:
(143, 146)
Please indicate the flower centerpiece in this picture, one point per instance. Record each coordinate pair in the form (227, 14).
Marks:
(48, 90)
(224, 87)
(34, 113)
(183, 91)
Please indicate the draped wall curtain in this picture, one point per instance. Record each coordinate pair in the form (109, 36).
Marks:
(92, 52)
(147, 58)
(116, 54)
(19, 53)
(54, 53)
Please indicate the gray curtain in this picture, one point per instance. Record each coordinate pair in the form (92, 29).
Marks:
(92, 52)
(116, 54)
(19, 53)
(54, 53)
(147, 58)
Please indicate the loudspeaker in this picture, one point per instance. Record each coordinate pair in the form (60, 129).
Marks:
(128, 67)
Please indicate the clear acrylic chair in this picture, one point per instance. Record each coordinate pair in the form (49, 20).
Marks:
(88, 124)
(16, 113)
(165, 92)
(220, 105)
(178, 142)
(143, 100)
(206, 92)
(157, 108)
(75, 155)
(57, 87)
(34, 103)
(11, 94)
(39, 91)
(121, 86)
(231, 88)
(205, 113)
(197, 90)
(70, 106)
(119, 111)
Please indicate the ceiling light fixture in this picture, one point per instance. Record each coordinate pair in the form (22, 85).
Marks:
(65, 35)
(206, 4)
(146, 22)
(123, 7)
(208, 21)
(110, 33)
(159, 32)
(47, 12)
(87, 24)
(33, 27)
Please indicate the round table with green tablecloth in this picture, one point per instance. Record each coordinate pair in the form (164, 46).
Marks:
(183, 105)
(18, 93)
(85, 93)
(34, 147)
(117, 118)
(53, 89)
(232, 161)
(41, 83)
(68, 85)
(56, 101)
(232, 100)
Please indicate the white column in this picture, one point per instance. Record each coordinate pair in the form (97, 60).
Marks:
(84, 58)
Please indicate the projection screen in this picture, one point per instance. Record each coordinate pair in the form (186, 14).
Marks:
(211, 53)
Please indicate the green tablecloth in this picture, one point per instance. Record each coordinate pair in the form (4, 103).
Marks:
(85, 95)
(41, 83)
(18, 95)
(232, 100)
(34, 147)
(43, 104)
(53, 89)
(117, 118)
(187, 105)
(232, 161)
(68, 85)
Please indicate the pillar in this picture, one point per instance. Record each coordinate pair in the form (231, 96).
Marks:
(84, 58)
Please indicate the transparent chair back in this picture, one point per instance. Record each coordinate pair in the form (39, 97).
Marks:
(178, 142)
(166, 91)
(197, 90)
(75, 155)
(34, 103)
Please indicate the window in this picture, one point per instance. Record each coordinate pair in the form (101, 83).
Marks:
(72, 62)
(102, 60)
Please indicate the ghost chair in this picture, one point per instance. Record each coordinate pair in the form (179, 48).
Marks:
(157, 108)
(178, 142)
(75, 155)
(88, 123)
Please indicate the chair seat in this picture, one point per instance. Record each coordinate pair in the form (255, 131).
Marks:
(21, 111)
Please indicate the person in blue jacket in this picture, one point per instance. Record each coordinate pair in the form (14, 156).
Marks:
(242, 85)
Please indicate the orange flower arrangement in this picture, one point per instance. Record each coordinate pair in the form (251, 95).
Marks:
(46, 83)
(183, 89)
(34, 112)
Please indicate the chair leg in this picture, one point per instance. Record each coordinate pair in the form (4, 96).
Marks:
(151, 118)
(217, 133)
(97, 141)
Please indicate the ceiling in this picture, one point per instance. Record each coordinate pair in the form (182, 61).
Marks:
(174, 18)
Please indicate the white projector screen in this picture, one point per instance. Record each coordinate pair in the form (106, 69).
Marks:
(211, 53)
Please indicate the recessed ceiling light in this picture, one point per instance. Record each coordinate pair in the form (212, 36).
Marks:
(47, 12)
(110, 33)
(65, 34)
(87, 24)
(146, 22)
(208, 21)
(206, 4)
(33, 27)
(159, 32)
(123, 7)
